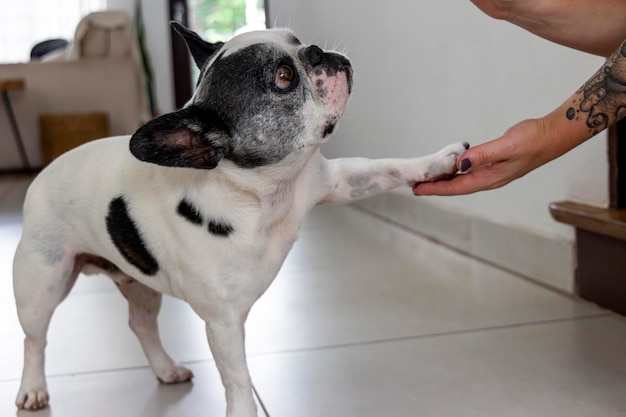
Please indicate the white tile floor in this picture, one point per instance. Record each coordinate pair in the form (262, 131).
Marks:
(349, 328)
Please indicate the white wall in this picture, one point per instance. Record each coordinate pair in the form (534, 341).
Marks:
(428, 73)
(432, 72)
(158, 42)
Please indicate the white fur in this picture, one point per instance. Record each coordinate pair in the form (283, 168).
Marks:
(220, 277)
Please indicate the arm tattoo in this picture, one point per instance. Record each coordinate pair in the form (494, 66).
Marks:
(603, 97)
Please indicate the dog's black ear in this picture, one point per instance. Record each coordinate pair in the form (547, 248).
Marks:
(190, 138)
(200, 49)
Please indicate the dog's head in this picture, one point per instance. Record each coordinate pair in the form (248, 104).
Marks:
(260, 97)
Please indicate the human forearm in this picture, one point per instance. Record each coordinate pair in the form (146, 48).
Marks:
(594, 26)
(601, 101)
(598, 104)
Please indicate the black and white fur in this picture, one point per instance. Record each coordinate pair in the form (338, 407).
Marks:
(202, 204)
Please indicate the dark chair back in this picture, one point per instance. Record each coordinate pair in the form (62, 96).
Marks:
(47, 46)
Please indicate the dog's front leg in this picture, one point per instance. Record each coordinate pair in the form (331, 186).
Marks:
(226, 339)
(358, 178)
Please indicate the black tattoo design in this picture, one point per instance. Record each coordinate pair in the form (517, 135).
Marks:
(603, 97)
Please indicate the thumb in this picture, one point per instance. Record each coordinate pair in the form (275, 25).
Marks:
(477, 156)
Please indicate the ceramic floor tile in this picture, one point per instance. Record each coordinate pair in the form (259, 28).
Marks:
(360, 292)
(127, 393)
(327, 239)
(352, 304)
(344, 308)
(561, 369)
(374, 296)
(90, 333)
(367, 293)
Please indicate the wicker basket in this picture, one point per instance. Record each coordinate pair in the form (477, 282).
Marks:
(62, 132)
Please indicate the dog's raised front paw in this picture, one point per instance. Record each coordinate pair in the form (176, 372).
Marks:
(174, 374)
(444, 161)
(33, 398)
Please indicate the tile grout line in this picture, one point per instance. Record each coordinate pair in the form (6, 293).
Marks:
(348, 345)
(433, 335)
(422, 336)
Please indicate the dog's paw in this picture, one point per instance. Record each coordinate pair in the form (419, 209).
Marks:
(444, 162)
(32, 398)
(174, 374)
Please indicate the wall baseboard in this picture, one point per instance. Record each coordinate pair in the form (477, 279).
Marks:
(549, 262)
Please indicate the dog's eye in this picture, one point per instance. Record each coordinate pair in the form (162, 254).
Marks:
(284, 77)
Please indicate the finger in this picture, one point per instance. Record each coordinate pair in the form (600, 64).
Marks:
(486, 153)
(459, 185)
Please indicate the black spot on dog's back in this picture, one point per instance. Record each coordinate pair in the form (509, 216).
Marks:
(220, 228)
(189, 212)
(127, 238)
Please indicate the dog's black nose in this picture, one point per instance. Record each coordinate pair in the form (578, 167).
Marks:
(315, 55)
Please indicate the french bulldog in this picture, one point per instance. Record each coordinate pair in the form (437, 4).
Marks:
(202, 204)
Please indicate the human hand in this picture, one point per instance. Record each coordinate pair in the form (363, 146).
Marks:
(497, 9)
(522, 148)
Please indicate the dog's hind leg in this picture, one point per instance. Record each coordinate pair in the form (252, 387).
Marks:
(144, 305)
(40, 282)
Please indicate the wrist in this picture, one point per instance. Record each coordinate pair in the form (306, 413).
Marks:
(566, 127)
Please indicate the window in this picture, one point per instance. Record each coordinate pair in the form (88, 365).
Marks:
(213, 20)
(25, 23)
(219, 20)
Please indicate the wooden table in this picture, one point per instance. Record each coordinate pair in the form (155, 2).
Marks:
(7, 85)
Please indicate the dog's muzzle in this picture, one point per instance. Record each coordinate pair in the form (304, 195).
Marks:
(314, 57)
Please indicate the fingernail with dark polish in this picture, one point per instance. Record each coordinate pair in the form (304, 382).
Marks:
(466, 165)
